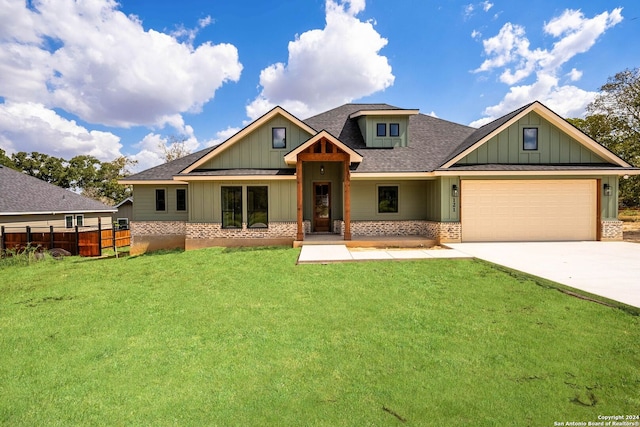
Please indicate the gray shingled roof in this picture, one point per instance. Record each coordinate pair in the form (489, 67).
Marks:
(21, 194)
(432, 143)
(431, 140)
(167, 171)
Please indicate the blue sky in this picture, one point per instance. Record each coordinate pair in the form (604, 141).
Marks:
(106, 78)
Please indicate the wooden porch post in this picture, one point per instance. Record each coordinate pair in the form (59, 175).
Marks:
(347, 200)
(300, 233)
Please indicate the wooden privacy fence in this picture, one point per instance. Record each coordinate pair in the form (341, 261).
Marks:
(83, 241)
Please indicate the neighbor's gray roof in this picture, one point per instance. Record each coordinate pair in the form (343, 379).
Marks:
(431, 140)
(167, 171)
(24, 194)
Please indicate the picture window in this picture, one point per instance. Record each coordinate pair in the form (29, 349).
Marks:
(231, 207)
(388, 199)
(257, 207)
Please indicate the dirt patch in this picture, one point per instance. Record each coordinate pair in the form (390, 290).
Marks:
(631, 231)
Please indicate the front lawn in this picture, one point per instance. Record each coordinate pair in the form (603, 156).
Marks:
(246, 337)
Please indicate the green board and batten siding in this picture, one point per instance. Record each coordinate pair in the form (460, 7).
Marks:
(554, 146)
(367, 127)
(412, 204)
(206, 205)
(144, 208)
(254, 151)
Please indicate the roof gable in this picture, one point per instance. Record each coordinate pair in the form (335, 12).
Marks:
(248, 130)
(291, 157)
(486, 133)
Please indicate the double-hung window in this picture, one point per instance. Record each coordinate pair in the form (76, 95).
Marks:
(181, 199)
(530, 139)
(161, 199)
(231, 207)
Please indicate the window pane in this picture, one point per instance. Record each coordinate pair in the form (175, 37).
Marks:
(279, 137)
(231, 207)
(381, 129)
(257, 207)
(160, 200)
(68, 221)
(181, 199)
(394, 129)
(79, 220)
(388, 199)
(530, 139)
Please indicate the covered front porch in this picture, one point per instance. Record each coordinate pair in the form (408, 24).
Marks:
(323, 186)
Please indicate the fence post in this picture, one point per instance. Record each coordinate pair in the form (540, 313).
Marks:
(2, 243)
(99, 236)
(51, 241)
(28, 235)
(113, 234)
(77, 241)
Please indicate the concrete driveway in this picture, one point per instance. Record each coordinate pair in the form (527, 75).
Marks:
(609, 269)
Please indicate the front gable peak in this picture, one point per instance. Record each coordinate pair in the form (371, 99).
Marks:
(274, 114)
(504, 138)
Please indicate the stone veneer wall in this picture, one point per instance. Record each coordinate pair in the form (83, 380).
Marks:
(440, 231)
(611, 230)
(209, 230)
(444, 232)
(149, 236)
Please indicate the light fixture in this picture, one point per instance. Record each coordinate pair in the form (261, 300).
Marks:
(454, 190)
(321, 169)
(607, 190)
(626, 177)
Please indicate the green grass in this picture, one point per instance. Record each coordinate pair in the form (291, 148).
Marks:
(629, 214)
(246, 337)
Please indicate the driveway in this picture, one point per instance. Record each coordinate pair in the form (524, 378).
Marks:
(609, 269)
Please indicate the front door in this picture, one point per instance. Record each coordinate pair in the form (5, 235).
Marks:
(322, 207)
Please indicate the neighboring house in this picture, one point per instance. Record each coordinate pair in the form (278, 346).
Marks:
(124, 214)
(378, 170)
(28, 201)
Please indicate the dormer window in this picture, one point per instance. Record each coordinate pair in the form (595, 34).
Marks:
(381, 129)
(394, 129)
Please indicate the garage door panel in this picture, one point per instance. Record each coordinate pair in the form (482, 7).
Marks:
(528, 210)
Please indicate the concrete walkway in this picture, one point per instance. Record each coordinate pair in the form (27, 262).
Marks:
(340, 253)
(609, 269)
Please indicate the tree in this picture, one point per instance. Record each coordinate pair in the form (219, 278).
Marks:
(613, 119)
(176, 149)
(84, 174)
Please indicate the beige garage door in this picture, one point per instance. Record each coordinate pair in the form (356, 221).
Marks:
(528, 210)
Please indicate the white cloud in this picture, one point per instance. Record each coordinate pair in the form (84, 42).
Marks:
(222, 136)
(476, 34)
(510, 52)
(574, 75)
(27, 126)
(326, 67)
(95, 62)
(486, 6)
(153, 146)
